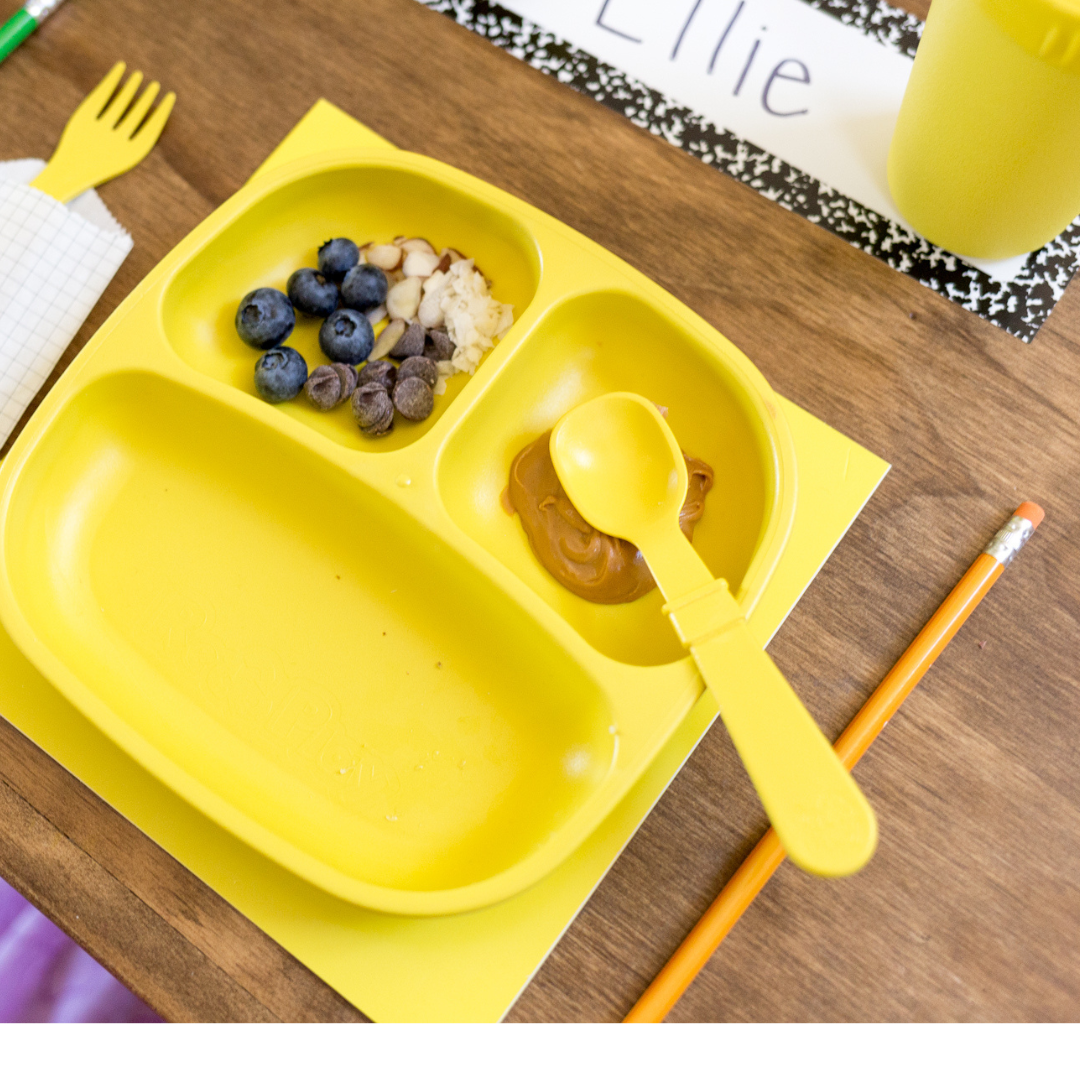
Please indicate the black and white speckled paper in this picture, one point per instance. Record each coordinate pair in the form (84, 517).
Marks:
(1019, 306)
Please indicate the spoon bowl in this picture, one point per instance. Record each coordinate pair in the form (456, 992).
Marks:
(616, 456)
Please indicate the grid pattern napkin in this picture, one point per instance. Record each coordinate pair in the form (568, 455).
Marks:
(55, 262)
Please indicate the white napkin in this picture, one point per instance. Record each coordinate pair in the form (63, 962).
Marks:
(55, 262)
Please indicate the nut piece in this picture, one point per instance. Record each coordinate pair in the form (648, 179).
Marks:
(413, 398)
(411, 343)
(385, 256)
(376, 315)
(323, 387)
(390, 336)
(430, 312)
(373, 409)
(416, 243)
(378, 371)
(347, 375)
(420, 264)
(439, 346)
(419, 367)
(446, 371)
(453, 254)
(403, 299)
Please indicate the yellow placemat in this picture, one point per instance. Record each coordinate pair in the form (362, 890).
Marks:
(460, 967)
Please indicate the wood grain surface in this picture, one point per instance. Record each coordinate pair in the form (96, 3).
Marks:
(971, 908)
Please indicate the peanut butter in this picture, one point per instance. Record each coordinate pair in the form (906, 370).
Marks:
(591, 564)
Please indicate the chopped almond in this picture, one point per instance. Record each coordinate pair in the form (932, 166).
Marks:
(474, 319)
(416, 243)
(420, 264)
(390, 336)
(403, 300)
(430, 312)
(385, 256)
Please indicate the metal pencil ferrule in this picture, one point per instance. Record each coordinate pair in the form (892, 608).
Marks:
(1010, 538)
(40, 10)
(705, 613)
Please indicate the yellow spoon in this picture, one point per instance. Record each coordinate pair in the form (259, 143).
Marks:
(623, 470)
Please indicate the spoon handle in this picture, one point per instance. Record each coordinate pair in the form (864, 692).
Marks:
(820, 816)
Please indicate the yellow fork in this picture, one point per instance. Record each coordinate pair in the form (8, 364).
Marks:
(100, 143)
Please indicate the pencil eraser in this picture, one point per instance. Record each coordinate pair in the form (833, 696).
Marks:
(1032, 511)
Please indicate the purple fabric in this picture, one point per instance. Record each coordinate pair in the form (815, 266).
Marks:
(46, 978)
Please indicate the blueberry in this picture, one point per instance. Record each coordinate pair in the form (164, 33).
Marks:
(337, 258)
(347, 337)
(265, 318)
(364, 287)
(280, 374)
(311, 294)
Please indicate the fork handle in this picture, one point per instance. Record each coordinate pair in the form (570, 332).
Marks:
(59, 182)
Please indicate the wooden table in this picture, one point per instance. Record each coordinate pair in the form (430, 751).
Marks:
(971, 908)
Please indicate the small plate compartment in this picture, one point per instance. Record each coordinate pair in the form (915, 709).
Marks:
(281, 233)
(589, 345)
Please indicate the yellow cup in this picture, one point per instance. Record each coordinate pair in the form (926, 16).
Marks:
(985, 158)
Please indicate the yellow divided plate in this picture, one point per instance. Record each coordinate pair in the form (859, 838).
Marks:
(343, 650)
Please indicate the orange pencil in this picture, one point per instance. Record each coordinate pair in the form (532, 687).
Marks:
(760, 865)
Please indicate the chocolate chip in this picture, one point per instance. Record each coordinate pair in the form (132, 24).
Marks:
(420, 367)
(373, 409)
(411, 343)
(378, 371)
(439, 347)
(323, 387)
(347, 375)
(413, 398)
